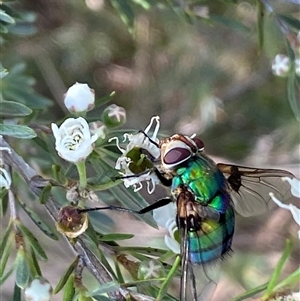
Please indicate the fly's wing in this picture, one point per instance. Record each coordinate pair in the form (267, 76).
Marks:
(203, 281)
(198, 282)
(250, 187)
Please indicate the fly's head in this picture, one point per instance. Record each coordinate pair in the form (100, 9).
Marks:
(177, 149)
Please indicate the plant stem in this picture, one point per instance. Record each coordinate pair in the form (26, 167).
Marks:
(82, 174)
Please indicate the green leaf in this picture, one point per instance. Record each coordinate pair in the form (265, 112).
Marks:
(4, 257)
(250, 293)
(13, 109)
(164, 286)
(38, 221)
(275, 276)
(66, 277)
(22, 269)
(7, 275)
(19, 88)
(101, 298)
(144, 3)
(105, 288)
(40, 141)
(229, 23)
(3, 29)
(17, 131)
(114, 236)
(119, 275)
(13, 13)
(33, 241)
(4, 17)
(6, 239)
(17, 293)
(260, 23)
(3, 72)
(35, 263)
(69, 291)
(289, 281)
(142, 250)
(3, 202)
(125, 11)
(291, 21)
(104, 100)
(45, 193)
(291, 95)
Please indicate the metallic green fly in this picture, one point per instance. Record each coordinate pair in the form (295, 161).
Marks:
(206, 195)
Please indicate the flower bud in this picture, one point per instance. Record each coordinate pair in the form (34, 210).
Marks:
(79, 98)
(38, 290)
(99, 128)
(281, 65)
(150, 269)
(71, 221)
(114, 116)
(72, 194)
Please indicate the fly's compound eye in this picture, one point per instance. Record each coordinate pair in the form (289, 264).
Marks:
(176, 155)
(199, 143)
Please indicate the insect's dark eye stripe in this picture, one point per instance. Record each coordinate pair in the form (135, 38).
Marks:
(188, 143)
(176, 155)
(199, 143)
(184, 139)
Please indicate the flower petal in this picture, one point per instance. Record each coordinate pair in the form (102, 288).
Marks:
(295, 186)
(136, 164)
(5, 178)
(172, 244)
(164, 215)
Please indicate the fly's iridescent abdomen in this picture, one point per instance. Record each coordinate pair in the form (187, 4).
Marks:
(207, 184)
(213, 240)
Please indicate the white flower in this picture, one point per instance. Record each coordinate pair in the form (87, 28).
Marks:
(79, 98)
(73, 140)
(136, 161)
(295, 189)
(5, 179)
(39, 290)
(165, 218)
(281, 65)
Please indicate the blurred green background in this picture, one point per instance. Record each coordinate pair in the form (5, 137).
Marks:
(201, 75)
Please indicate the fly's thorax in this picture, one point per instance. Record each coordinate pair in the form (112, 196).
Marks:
(177, 149)
(201, 177)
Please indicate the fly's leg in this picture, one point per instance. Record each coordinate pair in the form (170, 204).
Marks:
(165, 181)
(159, 203)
